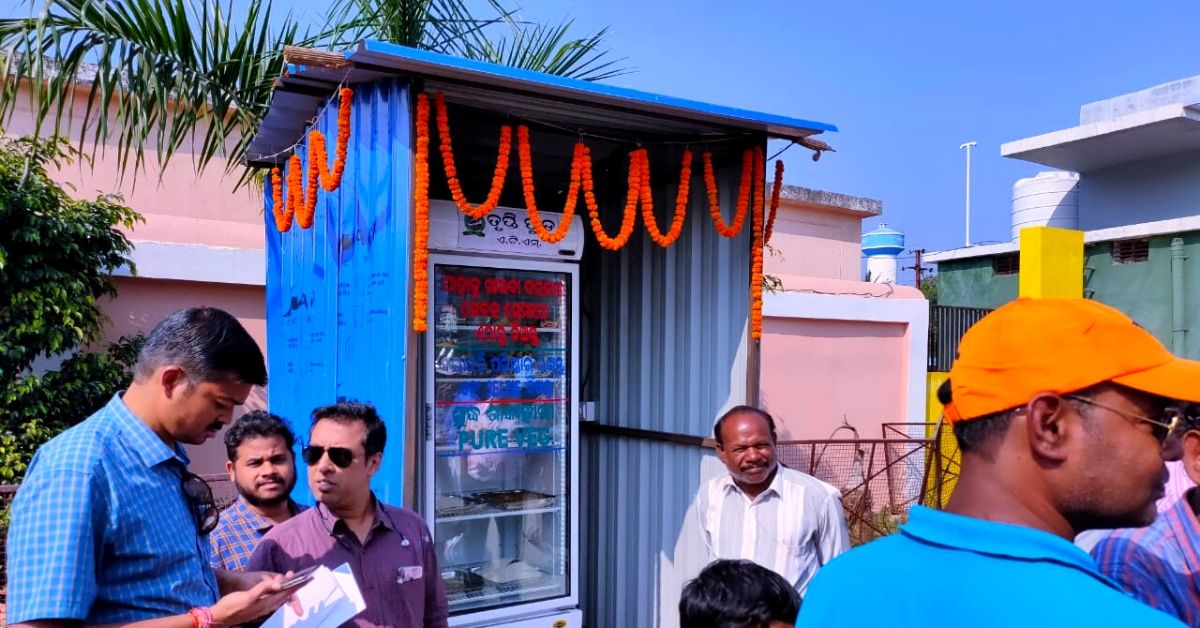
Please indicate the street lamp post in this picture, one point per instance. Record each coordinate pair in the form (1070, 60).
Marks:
(967, 147)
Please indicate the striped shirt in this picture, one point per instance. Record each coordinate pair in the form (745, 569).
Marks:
(1159, 564)
(238, 533)
(101, 531)
(793, 527)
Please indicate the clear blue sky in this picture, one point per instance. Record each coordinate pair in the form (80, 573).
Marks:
(906, 82)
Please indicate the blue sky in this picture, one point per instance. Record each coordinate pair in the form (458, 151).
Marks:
(906, 82)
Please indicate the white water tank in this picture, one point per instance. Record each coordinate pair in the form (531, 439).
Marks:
(882, 246)
(1050, 199)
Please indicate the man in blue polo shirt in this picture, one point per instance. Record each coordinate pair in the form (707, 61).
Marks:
(110, 527)
(1060, 408)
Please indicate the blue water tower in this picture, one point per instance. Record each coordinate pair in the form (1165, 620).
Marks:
(882, 246)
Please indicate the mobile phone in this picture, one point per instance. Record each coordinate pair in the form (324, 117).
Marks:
(299, 578)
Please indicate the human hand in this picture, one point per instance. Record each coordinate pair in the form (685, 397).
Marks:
(263, 598)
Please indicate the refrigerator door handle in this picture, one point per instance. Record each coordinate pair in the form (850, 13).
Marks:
(428, 422)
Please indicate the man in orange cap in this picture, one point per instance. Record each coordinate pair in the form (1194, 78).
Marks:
(1060, 408)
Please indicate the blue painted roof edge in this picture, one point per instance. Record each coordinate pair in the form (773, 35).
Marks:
(586, 87)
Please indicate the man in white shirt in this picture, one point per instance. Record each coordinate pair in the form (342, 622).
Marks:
(784, 520)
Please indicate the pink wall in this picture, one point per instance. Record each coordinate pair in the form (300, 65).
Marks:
(815, 243)
(815, 372)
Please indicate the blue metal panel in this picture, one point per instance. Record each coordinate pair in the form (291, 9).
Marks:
(495, 74)
(351, 271)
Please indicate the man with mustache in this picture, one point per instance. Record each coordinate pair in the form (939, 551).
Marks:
(1061, 407)
(780, 518)
(263, 468)
(109, 527)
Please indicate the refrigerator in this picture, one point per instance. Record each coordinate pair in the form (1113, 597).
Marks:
(501, 429)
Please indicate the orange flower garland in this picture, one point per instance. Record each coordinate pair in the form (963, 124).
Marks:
(420, 271)
(493, 197)
(301, 200)
(714, 205)
(568, 212)
(681, 199)
(756, 266)
(776, 188)
(631, 200)
(283, 214)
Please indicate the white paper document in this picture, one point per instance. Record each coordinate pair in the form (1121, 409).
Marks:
(329, 600)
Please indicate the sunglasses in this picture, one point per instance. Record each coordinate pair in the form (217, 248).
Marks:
(339, 456)
(200, 499)
(1160, 428)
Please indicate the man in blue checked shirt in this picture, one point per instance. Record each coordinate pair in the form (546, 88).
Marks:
(1160, 564)
(109, 526)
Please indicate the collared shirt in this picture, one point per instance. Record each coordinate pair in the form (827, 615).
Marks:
(793, 527)
(238, 533)
(943, 568)
(396, 569)
(1159, 564)
(101, 530)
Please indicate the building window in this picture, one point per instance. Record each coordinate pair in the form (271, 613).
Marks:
(1009, 264)
(1131, 251)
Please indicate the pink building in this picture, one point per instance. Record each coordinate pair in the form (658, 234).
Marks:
(837, 349)
(201, 244)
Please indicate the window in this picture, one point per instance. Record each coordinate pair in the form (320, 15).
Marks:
(1009, 264)
(1131, 251)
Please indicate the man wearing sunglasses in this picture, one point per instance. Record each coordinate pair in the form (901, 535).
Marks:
(1060, 408)
(389, 549)
(1160, 564)
(109, 527)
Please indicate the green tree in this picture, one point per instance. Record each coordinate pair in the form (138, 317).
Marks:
(929, 288)
(173, 70)
(56, 258)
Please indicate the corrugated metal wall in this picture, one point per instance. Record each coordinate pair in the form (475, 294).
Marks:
(337, 293)
(669, 355)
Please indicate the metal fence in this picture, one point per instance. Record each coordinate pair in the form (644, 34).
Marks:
(947, 324)
(880, 478)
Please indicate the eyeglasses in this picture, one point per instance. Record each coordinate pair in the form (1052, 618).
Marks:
(200, 498)
(339, 456)
(1160, 428)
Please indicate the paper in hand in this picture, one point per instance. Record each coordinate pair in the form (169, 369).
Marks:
(330, 599)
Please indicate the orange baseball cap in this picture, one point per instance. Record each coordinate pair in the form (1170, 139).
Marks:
(1034, 346)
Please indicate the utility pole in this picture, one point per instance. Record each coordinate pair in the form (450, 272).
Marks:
(917, 267)
(968, 146)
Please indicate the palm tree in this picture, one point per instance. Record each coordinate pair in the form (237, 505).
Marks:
(163, 72)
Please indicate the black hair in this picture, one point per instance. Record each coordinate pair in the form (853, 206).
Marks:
(257, 424)
(980, 434)
(207, 343)
(736, 410)
(737, 594)
(356, 411)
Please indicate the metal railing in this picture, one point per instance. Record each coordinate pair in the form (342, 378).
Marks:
(947, 324)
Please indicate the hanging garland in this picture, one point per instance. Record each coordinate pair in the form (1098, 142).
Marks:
(631, 199)
(756, 266)
(776, 188)
(420, 270)
(301, 201)
(493, 197)
(714, 206)
(681, 199)
(568, 212)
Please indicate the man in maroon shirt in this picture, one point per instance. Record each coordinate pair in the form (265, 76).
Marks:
(389, 549)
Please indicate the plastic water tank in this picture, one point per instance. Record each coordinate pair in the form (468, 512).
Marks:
(881, 246)
(1050, 199)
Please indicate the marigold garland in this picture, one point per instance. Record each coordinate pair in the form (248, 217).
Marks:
(283, 214)
(447, 150)
(756, 267)
(420, 271)
(714, 206)
(776, 188)
(631, 199)
(681, 199)
(302, 200)
(568, 212)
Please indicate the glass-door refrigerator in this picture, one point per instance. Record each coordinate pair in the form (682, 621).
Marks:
(502, 428)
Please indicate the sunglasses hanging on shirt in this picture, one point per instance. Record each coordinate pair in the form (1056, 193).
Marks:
(200, 499)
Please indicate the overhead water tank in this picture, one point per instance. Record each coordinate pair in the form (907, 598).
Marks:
(881, 246)
(1050, 199)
